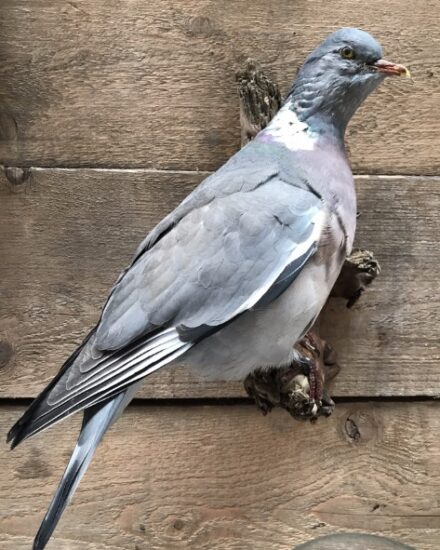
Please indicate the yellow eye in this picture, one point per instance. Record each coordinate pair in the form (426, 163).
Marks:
(347, 53)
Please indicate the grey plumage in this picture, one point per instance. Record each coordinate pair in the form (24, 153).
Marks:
(232, 278)
(96, 421)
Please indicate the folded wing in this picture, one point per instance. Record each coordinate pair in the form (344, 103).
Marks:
(221, 258)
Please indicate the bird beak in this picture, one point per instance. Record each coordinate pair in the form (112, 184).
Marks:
(390, 69)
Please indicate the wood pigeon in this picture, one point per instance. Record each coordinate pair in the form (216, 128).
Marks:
(237, 273)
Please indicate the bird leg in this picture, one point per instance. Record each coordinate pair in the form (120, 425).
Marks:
(302, 388)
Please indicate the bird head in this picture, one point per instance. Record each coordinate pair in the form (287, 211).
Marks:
(338, 76)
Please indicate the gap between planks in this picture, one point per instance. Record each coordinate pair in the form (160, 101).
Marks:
(231, 401)
(153, 171)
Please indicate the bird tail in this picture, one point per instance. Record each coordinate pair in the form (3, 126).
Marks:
(96, 421)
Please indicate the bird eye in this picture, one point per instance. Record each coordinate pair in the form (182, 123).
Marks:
(347, 52)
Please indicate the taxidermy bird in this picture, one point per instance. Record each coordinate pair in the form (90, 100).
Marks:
(238, 272)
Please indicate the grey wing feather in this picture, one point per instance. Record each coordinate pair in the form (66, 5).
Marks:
(219, 260)
(229, 179)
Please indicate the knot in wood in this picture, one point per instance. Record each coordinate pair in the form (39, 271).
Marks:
(6, 353)
(16, 175)
(352, 430)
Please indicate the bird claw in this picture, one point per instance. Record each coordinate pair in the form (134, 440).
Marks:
(309, 400)
(359, 271)
(300, 387)
(327, 404)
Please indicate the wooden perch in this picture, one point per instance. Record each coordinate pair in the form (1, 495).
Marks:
(301, 388)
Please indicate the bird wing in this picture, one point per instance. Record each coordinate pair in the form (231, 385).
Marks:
(218, 261)
(221, 258)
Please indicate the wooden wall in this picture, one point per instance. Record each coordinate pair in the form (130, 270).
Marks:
(110, 112)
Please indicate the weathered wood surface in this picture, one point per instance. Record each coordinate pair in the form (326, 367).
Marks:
(68, 233)
(226, 478)
(353, 541)
(151, 84)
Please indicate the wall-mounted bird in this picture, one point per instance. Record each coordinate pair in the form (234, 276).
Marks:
(237, 273)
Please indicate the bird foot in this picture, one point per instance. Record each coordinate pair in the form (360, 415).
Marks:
(359, 271)
(301, 387)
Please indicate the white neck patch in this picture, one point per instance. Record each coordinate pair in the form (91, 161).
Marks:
(287, 129)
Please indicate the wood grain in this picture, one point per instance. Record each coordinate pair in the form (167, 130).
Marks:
(226, 478)
(68, 233)
(151, 84)
(356, 541)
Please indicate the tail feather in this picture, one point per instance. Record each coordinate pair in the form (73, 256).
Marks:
(96, 422)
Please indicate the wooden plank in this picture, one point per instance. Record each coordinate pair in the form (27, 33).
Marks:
(68, 233)
(151, 84)
(224, 477)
